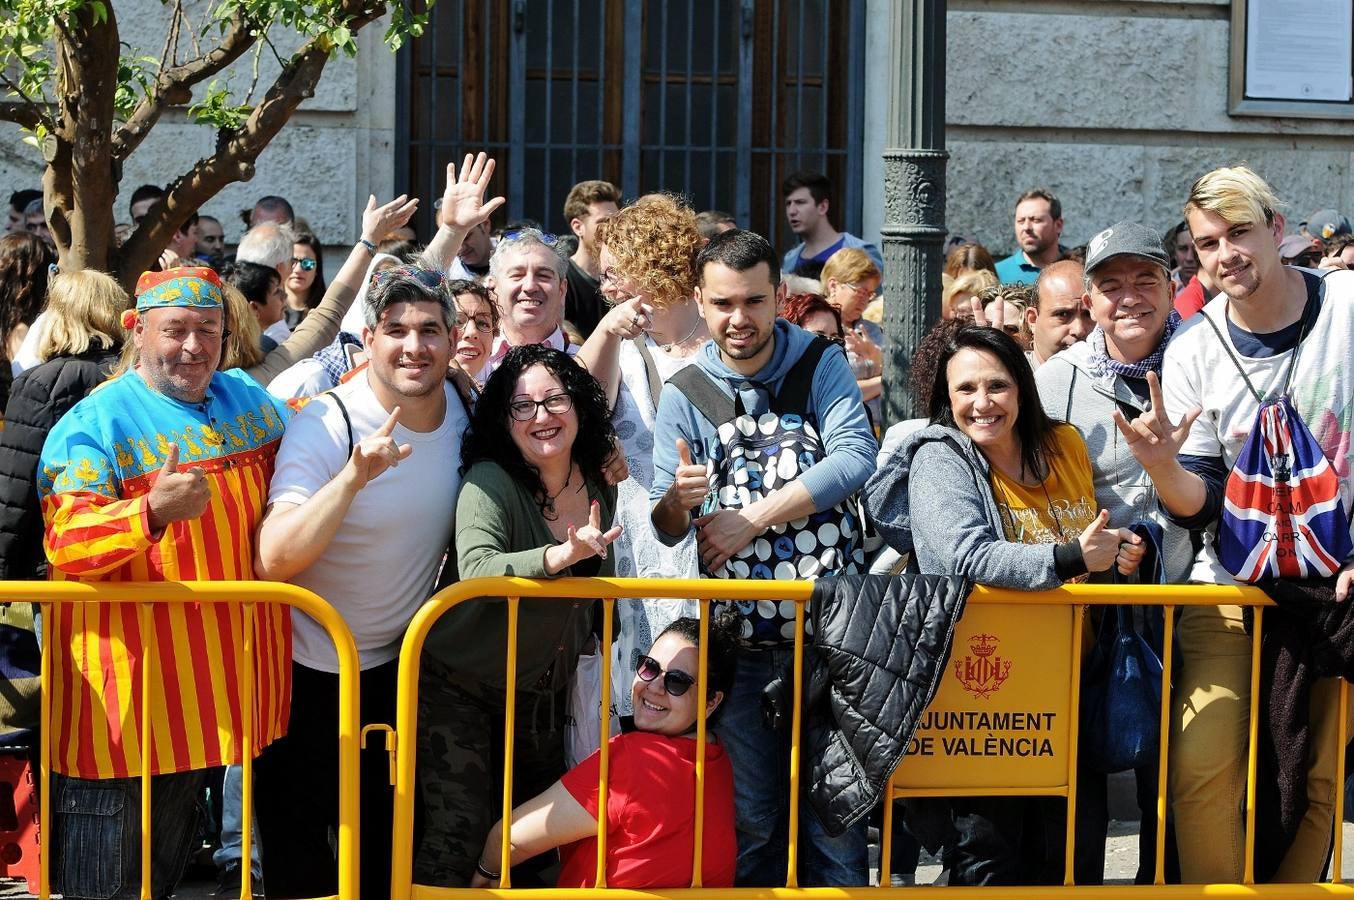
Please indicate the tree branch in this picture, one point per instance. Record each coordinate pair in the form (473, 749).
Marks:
(22, 113)
(173, 86)
(237, 151)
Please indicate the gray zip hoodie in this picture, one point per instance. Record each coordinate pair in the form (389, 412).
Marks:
(931, 497)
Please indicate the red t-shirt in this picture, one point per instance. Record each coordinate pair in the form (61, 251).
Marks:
(651, 815)
(1191, 298)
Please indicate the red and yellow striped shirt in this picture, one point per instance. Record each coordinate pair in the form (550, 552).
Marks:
(97, 467)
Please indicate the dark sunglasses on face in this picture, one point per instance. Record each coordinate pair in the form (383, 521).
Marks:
(306, 265)
(675, 682)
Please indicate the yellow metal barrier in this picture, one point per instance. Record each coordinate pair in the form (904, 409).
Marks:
(1062, 602)
(247, 594)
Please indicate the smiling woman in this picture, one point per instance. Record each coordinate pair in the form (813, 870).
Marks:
(650, 817)
(534, 503)
(1031, 524)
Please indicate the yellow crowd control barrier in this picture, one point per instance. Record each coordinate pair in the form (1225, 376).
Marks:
(247, 594)
(1016, 658)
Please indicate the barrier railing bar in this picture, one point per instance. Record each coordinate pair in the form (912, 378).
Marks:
(798, 592)
(702, 680)
(604, 761)
(144, 595)
(45, 755)
(886, 840)
(796, 756)
(941, 790)
(1341, 741)
(149, 662)
(1163, 754)
(1073, 727)
(509, 719)
(1253, 750)
(245, 663)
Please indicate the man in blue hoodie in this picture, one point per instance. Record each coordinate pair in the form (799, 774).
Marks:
(752, 358)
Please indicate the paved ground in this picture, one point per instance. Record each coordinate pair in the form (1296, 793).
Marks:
(1121, 862)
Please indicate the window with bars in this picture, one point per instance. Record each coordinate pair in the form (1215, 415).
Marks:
(717, 101)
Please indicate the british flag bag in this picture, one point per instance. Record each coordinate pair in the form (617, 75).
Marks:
(1282, 515)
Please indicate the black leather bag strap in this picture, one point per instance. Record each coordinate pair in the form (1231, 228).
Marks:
(704, 395)
(347, 419)
(796, 387)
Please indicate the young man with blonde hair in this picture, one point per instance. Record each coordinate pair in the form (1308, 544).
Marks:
(1267, 320)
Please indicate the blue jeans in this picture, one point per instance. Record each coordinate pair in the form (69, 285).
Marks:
(761, 773)
(97, 845)
(232, 826)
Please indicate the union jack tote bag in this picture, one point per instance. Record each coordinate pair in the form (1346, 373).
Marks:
(1282, 516)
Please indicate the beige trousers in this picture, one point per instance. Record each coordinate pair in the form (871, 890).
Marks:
(1208, 754)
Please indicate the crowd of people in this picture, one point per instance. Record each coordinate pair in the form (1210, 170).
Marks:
(660, 394)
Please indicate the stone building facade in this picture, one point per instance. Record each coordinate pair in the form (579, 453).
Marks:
(1114, 105)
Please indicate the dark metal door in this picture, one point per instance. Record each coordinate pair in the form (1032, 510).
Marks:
(717, 101)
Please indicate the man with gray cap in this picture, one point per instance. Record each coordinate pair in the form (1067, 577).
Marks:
(1128, 291)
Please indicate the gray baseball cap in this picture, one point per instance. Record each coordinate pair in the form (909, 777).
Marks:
(1125, 239)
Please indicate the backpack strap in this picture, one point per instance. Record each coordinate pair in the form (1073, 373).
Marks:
(347, 419)
(641, 342)
(706, 396)
(797, 385)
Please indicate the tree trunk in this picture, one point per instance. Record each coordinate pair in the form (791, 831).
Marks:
(80, 184)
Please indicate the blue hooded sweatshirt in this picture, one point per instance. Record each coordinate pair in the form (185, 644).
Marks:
(834, 402)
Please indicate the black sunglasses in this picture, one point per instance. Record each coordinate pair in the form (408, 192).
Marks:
(675, 682)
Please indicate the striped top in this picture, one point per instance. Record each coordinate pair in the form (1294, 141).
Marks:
(94, 475)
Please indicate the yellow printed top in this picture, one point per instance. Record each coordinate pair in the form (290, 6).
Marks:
(1057, 509)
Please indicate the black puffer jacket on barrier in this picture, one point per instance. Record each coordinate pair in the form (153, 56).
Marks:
(40, 397)
(879, 648)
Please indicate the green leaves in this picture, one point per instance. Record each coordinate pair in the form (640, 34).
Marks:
(215, 108)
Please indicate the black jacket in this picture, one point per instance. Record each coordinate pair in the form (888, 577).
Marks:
(879, 648)
(40, 396)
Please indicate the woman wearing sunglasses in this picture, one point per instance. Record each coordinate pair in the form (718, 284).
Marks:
(533, 503)
(305, 279)
(651, 782)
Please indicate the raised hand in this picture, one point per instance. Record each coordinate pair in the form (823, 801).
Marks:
(998, 320)
(862, 347)
(615, 468)
(590, 540)
(177, 496)
(628, 319)
(690, 483)
(373, 455)
(463, 204)
(380, 222)
(1151, 437)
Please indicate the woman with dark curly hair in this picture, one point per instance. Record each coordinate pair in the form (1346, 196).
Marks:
(534, 502)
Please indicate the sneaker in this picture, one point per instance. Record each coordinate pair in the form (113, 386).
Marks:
(228, 882)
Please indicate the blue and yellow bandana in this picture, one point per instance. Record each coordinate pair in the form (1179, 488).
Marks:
(195, 286)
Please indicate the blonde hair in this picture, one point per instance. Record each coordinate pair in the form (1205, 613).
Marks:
(849, 266)
(243, 349)
(83, 308)
(974, 281)
(1236, 194)
(655, 241)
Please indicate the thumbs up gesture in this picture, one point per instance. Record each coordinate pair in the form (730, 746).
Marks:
(177, 495)
(373, 455)
(690, 484)
(1102, 546)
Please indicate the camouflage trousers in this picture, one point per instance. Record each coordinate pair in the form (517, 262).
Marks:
(460, 770)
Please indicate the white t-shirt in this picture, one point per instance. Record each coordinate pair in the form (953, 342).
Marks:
(1197, 371)
(383, 561)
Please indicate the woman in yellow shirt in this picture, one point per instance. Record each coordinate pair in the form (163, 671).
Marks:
(1006, 497)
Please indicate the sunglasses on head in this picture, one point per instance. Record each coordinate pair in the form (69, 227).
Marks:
(429, 278)
(306, 264)
(546, 237)
(675, 682)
